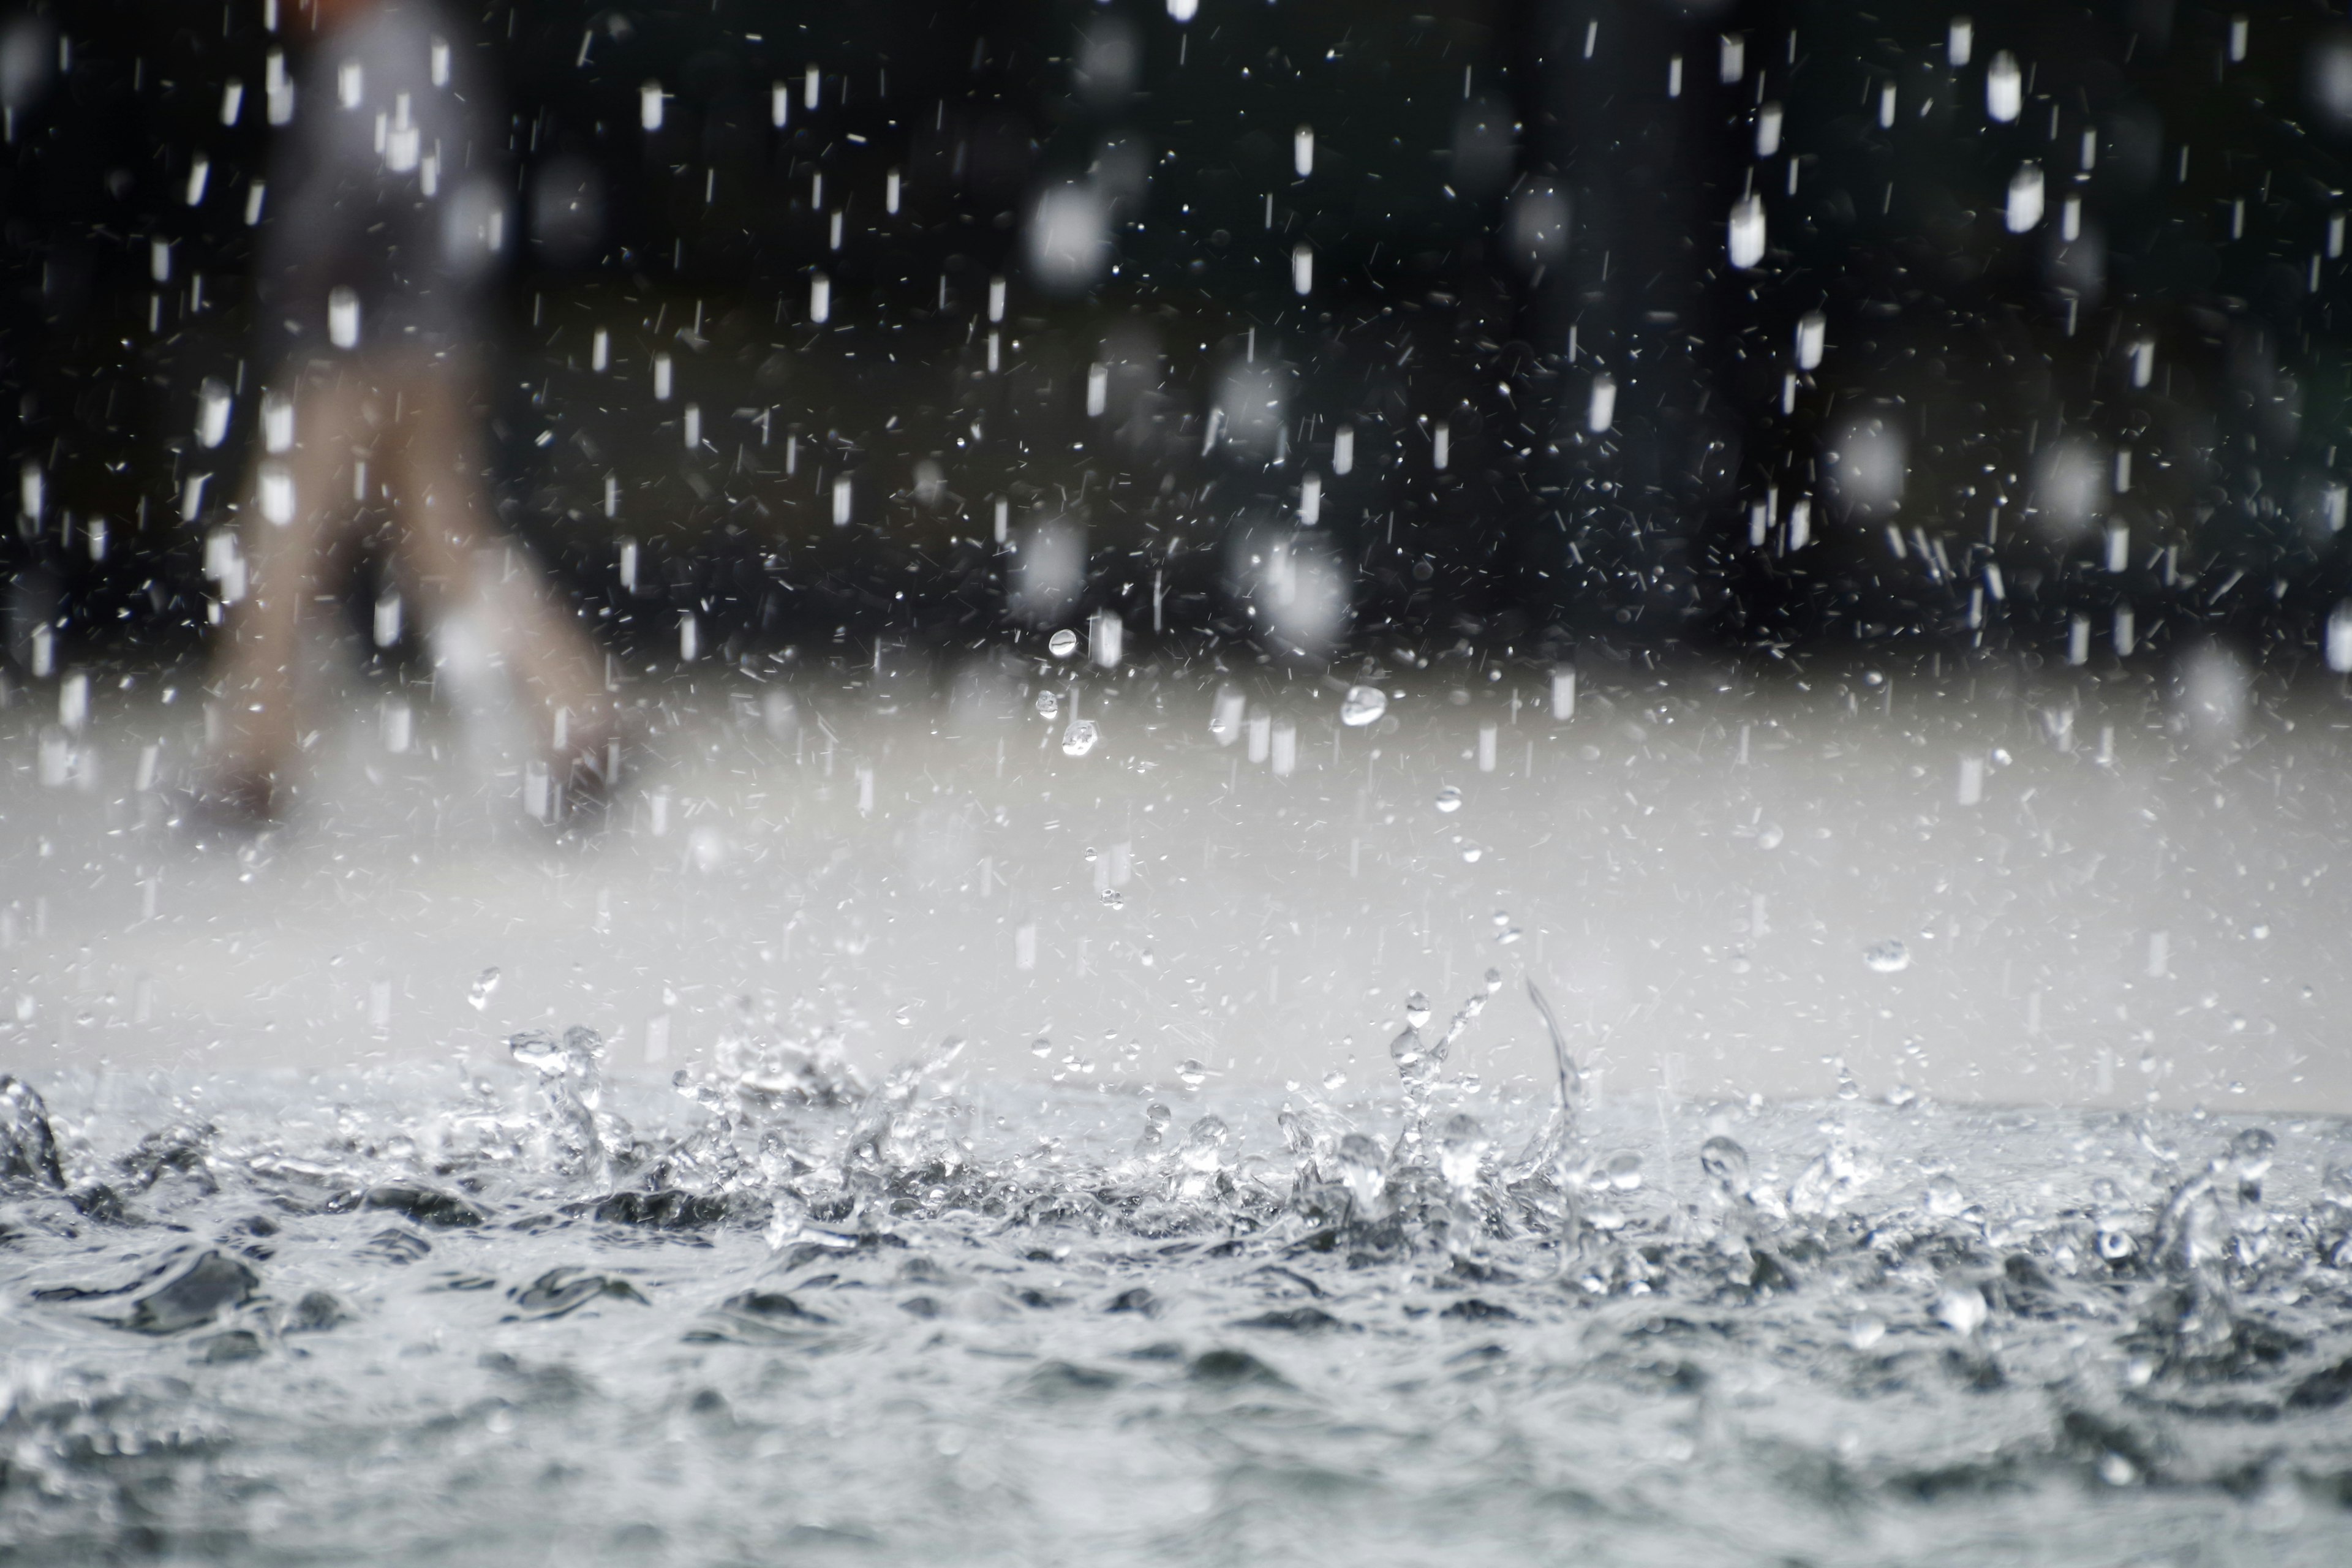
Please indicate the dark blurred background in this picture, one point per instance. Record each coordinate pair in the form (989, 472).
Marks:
(1587, 321)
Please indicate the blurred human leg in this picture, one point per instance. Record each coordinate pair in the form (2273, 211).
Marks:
(444, 528)
(297, 513)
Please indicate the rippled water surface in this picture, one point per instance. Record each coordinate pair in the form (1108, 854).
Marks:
(771, 1312)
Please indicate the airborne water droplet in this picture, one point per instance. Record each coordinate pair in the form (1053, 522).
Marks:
(1449, 799)
(1962, 1308)
(1887, 957)
(1363, 705)
(1943, 1198)
(1063, 644)
(478, 995)
(1726, 1165)
(1079, 738)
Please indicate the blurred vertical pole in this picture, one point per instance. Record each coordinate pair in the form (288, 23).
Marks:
(1629, 307)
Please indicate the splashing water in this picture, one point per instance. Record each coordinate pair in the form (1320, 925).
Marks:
(511, 1280)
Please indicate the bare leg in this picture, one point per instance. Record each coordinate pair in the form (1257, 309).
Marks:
(444, 523)
(286, 565)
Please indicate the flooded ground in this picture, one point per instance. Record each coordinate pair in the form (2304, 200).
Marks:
(401, 1321)
(1871, 1117)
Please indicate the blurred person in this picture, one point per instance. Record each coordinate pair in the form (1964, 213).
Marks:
(385, 214)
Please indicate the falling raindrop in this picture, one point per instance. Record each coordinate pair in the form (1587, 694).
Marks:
(478, 995)
(1362, 705)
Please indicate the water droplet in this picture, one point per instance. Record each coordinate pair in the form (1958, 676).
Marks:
(1204, 1145)
(1943, 1198)
(1335, 1080)
(1062, 643)
(1726, 1165)
(1416, 1009)
(1769, 835)
(1079, 738)
(1624, 1171)
(1363, 705)
(785, 1217)
(1041, 1047)
(1191, 1073)
(1112, 899)
(1449, 799)
(1048, 704)
(1961, 1308)
(1362, 1169)
(478, 995)
(1462, 1144)
(1887, 957)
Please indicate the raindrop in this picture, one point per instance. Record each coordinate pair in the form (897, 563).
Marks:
(1746, 243)
(1961, 1308)
(2004, 88)
(2025, 196)
(1726, 1165)
(276, 488)
(1813, 333)
(1063, 643)
(1449, 799)
(2339, 638)
(1600, 405)
(1942, 1197)
(1079, 738)
(478, 995)
(213, 407)
(1362, 705)
(1890, 957)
